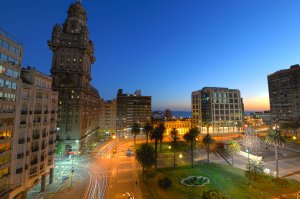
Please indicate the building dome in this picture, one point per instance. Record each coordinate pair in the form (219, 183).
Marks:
(77, 10)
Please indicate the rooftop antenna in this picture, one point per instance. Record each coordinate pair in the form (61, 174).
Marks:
(80, 1)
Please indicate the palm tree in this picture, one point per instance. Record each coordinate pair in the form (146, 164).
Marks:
(207, 125)
(147, 129)
(156, 134)
(145, 155)
(275, 138)
(207, 140)
(161, 128)
(239, 124)
(174, 136)
(135, 130)
(190, 137)
(233, 147)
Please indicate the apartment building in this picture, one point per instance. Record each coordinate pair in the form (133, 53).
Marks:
(35, 133)
(11, 52)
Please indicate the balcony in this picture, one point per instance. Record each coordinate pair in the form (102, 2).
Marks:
(35, 136)
(26, 166)
(24, 112)
(28, 139)
(20, 155)
(52, 132)
(50, 153)
(43, 146)
(33, 162)
(53, 111)
(44, 135)
(45, 112)
(22, 122)
(35, 149)
(27, 153)
(19, 170)
(21, 141)
(37, 112)
(42, 158)
(51, 142)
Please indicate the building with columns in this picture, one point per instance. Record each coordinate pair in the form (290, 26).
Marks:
(79, 101)
(34, 140)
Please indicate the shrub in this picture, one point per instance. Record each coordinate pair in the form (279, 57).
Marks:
(212, 194)
(164, 183)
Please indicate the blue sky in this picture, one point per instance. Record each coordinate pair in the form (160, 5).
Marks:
(169, 48)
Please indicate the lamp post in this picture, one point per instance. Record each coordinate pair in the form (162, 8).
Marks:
(180, 157)
(247, 150)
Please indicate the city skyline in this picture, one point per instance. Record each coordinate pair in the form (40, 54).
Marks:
(173, 46)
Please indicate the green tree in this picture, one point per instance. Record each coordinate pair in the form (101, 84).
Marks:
(156, 134)
(145, 155)
(161, 129)
(174, 136)
(254, 170)
(233, 147)
(207, 140)
(135, 130)
(275, 138)
(59, 148)
(190, 139)
(147, 130)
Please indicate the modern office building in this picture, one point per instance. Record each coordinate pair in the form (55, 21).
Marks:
(108, 115)
(34, 140)
(264, 115)
(221, 108)
(79, 101)
(284, 94)
(132, 108)
(11, 52)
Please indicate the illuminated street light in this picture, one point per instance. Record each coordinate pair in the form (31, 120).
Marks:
(169, 147)
(180, 157)
(294, 138)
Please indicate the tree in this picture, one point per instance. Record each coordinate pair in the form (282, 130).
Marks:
(156, 134)
(147, 130)
(135, 130)
(161, 128)
(207, 140)
(174, 136)
(239, 124)
(254, 170)
(207, 125)
(145, 155)
(233, 147)
(190, 138)
(275, 138)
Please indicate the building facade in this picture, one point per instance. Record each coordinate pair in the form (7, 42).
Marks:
(221, 109)
(284, 94)
(79, 101)
(108, 115)
(132, 108)
(11, 52)
(35, 127)
(182, 126)
(265, 116)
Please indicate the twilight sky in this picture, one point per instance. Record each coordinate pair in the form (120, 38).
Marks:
(169, 48)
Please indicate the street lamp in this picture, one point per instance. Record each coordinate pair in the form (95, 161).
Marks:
(180, 157)
(169, 147)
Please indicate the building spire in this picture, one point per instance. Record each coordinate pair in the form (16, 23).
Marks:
(80, 1)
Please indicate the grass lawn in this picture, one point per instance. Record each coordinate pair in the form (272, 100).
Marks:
(229, 181)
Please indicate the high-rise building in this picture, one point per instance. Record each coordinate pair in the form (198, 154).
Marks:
(108, 116)
(34, 140)
(79, 101)
(284, 94)
(132, 108)
(168, 114)
(11, 52)
(221, 108)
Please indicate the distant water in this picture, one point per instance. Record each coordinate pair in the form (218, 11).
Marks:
(184, 114)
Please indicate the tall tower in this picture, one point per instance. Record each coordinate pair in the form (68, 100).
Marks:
(73, 55)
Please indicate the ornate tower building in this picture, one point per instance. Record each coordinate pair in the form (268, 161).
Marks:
(73, 55)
